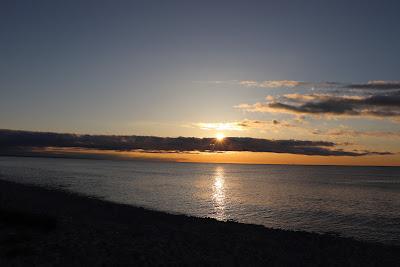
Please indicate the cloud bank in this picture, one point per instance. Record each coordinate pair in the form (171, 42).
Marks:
(24, 140)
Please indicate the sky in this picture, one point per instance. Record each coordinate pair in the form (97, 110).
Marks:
(272, 70)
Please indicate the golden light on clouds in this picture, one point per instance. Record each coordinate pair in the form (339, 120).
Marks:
(220, 126)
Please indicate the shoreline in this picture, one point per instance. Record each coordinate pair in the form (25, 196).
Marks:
(46, 227)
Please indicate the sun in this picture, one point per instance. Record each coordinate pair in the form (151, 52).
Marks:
(220, 136)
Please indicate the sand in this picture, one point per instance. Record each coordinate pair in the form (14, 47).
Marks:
(47, 227)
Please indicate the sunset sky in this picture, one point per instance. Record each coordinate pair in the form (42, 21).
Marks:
(275, 70)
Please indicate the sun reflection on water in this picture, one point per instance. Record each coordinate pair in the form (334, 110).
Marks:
(219, 193)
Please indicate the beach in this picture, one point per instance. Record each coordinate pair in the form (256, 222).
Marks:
(47, 227)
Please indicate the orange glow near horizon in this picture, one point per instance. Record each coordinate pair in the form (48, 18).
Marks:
(227, 157)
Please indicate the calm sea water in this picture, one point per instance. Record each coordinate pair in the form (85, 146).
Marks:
(361, 202)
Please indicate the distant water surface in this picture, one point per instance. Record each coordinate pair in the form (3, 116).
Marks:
(360, 202)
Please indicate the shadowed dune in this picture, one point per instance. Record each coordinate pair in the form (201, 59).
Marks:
(46, 227)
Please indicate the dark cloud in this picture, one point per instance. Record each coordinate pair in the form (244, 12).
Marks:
(20, 140)
(375, 85)
(325, 104)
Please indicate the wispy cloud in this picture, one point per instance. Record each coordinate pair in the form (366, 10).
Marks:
(24, 140)
(219, 126)
(373, 85)
(354, 133)
(247, 124)
(270, 83)
(242, 125)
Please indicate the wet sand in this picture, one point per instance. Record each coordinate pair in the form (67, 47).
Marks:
(45, 227)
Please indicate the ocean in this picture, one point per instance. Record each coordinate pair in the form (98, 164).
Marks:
(358, 202)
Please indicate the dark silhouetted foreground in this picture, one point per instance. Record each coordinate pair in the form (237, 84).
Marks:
(53, 228)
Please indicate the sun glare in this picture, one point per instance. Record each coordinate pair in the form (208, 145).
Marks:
(220, 136)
